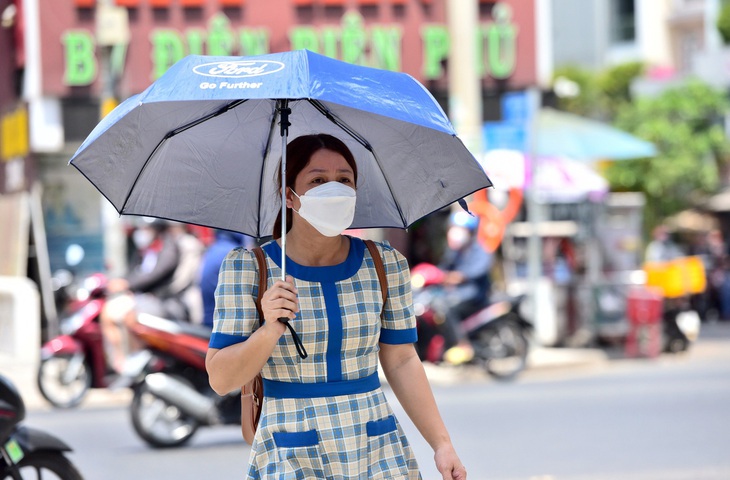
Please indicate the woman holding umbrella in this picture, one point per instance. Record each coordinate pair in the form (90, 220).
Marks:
(325, 416)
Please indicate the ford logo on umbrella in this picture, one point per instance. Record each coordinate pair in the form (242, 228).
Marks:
(240, 69)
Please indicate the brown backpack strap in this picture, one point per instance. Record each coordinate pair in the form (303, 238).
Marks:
(380, 268)
(263, 280)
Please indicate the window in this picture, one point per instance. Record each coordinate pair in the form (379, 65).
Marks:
(689, 44)
(623, 21)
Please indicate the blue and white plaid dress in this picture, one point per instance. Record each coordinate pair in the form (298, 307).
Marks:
(324, 416)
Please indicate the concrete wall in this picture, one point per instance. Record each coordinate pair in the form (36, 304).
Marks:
(579, 37)
(20, 320)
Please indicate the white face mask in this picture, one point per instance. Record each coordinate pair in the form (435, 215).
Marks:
(142, 238)
(329, 207)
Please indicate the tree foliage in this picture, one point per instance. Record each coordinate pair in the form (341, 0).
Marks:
(601, 93)
(723, 22)
(685, 124)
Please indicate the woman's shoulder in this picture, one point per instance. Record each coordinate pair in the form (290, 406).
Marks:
(388, 253)
(239, 253)
(239, 259)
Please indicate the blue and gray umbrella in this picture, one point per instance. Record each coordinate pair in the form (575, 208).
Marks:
(203, 143)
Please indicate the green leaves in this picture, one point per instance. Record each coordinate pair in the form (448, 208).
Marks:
(685, 123)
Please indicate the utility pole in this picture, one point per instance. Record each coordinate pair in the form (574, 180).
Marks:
(534, 207)
(112, 38)
(465, 93)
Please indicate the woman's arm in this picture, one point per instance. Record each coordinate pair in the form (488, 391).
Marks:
(231, 367)
(406, 377)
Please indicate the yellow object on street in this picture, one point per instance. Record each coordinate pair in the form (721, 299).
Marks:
(678, 277)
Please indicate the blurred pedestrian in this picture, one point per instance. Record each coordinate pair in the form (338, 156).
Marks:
(661, 248)
(213, 257)
(717, 263)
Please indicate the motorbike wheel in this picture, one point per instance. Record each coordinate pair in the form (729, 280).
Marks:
(46, 465)
(64, 380)
(502, 349)
(676, 345)
(159, 423)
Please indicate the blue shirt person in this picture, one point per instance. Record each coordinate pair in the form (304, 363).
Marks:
(225, 241)
(467, 266)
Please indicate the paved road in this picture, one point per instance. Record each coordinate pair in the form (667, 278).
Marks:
(662, 419)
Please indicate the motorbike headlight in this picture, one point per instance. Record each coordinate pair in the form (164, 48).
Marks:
(72, 323)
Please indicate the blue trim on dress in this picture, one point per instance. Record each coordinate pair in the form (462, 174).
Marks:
(276, 389)
(380, 427)
(334, 331)
(295, 439)
(331, 273)
(398, 337)
(223, 340)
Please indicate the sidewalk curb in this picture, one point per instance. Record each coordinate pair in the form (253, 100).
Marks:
(540, 359)
(24, 374)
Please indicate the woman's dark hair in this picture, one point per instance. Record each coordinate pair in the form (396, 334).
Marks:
(298, 153)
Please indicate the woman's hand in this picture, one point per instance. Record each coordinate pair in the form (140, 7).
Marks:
(280, 301)
(448, 463)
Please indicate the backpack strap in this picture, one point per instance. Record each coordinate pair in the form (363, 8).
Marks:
(380, 269)
(263, 280)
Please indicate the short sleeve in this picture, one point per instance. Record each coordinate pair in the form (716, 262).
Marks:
(399, 322)
(235, 317)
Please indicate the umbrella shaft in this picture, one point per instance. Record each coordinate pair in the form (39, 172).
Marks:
(284, 112)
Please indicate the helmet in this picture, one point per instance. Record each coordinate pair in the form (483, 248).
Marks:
(464, 219)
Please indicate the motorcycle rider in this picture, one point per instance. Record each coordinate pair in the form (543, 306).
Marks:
(186, 300)
(467, 267)
(146, 289)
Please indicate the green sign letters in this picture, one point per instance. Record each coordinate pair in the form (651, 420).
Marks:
(377, 46)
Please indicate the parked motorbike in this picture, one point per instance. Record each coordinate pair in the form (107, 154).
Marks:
(74, 362)
(26, 452)
(498, 332)
(172, 396)
(680, 326)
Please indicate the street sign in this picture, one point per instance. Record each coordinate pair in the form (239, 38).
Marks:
(516, 107)
(511, 132)
(505, 135)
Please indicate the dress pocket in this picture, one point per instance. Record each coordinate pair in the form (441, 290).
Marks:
(296, 439)
(387, 459)
(299, 455)
(381, 427)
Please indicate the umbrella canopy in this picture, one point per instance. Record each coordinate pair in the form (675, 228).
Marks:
(201, 145)
(572, 136)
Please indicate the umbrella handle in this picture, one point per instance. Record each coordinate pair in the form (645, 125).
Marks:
(297, 340)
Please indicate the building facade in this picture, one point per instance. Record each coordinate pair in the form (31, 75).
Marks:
(94, 54)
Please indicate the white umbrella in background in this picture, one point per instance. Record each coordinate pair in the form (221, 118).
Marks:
(559, 179)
